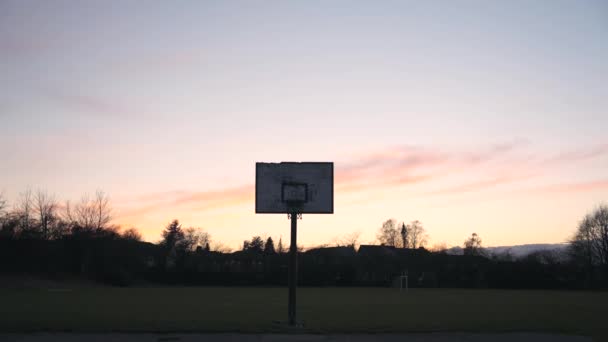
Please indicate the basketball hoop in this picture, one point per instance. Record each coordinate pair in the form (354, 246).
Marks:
(294, 189)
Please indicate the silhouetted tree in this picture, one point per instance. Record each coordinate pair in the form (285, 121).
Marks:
(590, 242)
(173, 240)
(256, 245)
(131, 234)
(349, 240)
(172, 235)
(388, 233)
(472, 245)
(269, 246)
(9, 226)
(3, 204)
(404, 241)
(45, 207)
(220, 247)
(89, 215)
(280, 248)
(60, 229)
(207, 248)
(416, 235)
(193, 238)
(5, 230)
(25, 212)
(103, 212)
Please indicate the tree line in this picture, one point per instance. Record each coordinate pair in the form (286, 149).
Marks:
(41, 235)
(401, 235)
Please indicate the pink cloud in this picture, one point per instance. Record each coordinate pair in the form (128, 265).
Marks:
(492, 152)
(393, 167)
(227, 196)
(89, 105)
(579, 155)
(96, 106)
(199, 200)
(481, 184)
(601, 184)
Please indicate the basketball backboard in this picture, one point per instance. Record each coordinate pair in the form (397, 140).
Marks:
(305, 188)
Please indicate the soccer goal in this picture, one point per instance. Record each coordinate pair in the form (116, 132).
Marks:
(403, 279)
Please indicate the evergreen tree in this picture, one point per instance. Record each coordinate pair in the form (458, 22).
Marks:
(256, 245)
(404, 242)
(173, 235)
(269, 247)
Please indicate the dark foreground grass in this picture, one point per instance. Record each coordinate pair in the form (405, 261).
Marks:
(323, 310)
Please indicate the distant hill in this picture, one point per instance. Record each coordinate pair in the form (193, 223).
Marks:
(518, 251)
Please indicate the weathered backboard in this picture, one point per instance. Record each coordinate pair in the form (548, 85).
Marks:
(306, 188)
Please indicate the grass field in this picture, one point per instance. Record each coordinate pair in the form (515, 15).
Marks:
(327, 310)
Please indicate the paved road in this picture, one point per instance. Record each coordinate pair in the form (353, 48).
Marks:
(429, 337)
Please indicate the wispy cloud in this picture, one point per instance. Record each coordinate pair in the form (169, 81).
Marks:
(192, 199)
(85, 104)
(97, 106)
(481, 184)
(410, 164)
(226, 196)
(578, 155)
(601, 184)
(392, 157)
(493, 151)
(402, 166)
(395, 166)
(93, 105)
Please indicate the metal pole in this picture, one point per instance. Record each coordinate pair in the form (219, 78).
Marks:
(293, 269)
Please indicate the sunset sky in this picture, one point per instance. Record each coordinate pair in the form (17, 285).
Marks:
(476, 116)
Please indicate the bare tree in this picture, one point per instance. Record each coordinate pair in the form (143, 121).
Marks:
(195, 237)
(84, 214)
(581, 246)
(67, 214)
(131, 234)
(220, 247)
(45, 207)
(416, 234)
(25, 211)
(103, 212)
(3, 203)
(59, 228)
(5, 231)
(387, 235)
(91, 214)
(350, 240)
(472, 245)
(590, 242)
